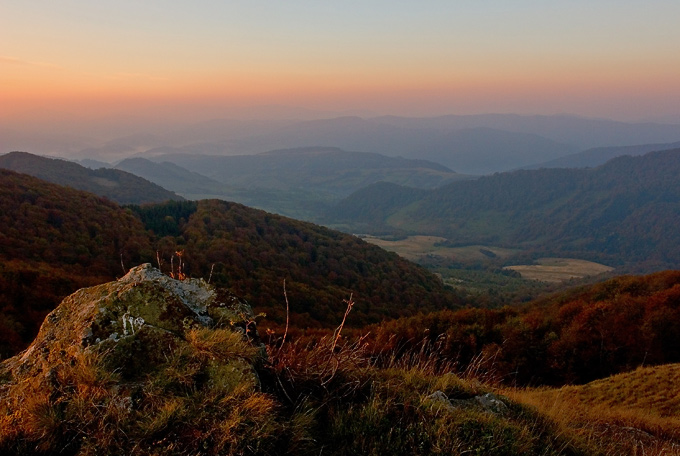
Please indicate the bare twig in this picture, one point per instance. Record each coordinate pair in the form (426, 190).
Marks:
(211, 271)
(336, 335)
(285, 333)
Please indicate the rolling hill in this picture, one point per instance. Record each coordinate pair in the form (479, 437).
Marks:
(572, 337)
(117, 185)
(476, 150)
(299, 183)
(170, 176)
(628, 413)
(315, 169)
(54, 240)
(620, 213)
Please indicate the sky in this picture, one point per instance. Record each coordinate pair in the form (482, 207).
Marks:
(209, 58)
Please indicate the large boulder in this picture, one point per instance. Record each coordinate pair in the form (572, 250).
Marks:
(146, 360)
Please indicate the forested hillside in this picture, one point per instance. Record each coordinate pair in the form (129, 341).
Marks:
(117, 185)
(619, 213)
(252, 252)
(572, 337)
(54, 240)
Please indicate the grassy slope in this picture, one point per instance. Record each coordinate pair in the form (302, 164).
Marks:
(632, 413)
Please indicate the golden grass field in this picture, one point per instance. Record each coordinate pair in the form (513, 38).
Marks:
(559, 269)
(636, 413)
(551, 270)
(415, 248)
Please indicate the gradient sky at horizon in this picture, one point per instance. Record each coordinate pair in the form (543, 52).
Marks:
(615, 59)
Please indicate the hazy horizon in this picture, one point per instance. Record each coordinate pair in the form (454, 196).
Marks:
(184, 62)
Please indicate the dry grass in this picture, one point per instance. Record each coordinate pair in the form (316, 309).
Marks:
(204, 398)
(559, 269)
(636, 413)
(416, 247)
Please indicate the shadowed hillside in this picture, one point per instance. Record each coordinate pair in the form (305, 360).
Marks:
(54, 240)
(119, 186)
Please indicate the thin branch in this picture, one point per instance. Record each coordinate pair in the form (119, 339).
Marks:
(350, 304)
(285, 333)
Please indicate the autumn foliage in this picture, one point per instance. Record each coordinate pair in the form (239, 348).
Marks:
(573, 337)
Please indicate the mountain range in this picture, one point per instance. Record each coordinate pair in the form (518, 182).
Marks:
(620, 213)
(299, 183)
(473, 144)
(599, 155)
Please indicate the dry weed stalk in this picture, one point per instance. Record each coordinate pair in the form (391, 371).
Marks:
(211, 272)
(285, 333)
(336, 334)
(180, 275)
(159, 260)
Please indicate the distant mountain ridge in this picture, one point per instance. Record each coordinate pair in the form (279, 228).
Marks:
(170, 176)
(117, 185)
(327, 169)
(621, 213)
(388, 135)
(477, 150)
(299, 183)
(600, 155)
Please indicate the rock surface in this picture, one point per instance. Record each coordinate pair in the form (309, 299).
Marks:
(131, 319)
(143, 365)
(488, 402)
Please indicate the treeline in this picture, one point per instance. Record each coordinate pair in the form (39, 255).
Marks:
(573, 337)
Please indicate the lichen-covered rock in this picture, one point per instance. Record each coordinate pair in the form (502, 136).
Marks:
(135, 315)
(146, 360)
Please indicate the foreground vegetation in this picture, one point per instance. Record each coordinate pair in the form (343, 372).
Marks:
(311, 400)
(315, 399)
(632, 413)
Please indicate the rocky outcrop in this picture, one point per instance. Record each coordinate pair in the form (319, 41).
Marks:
(132, 318)
(488, 402)
(147, 361)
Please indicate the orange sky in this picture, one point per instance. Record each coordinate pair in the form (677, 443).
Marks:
(601, 58)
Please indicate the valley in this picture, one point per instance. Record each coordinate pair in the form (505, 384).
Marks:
(419, 248)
